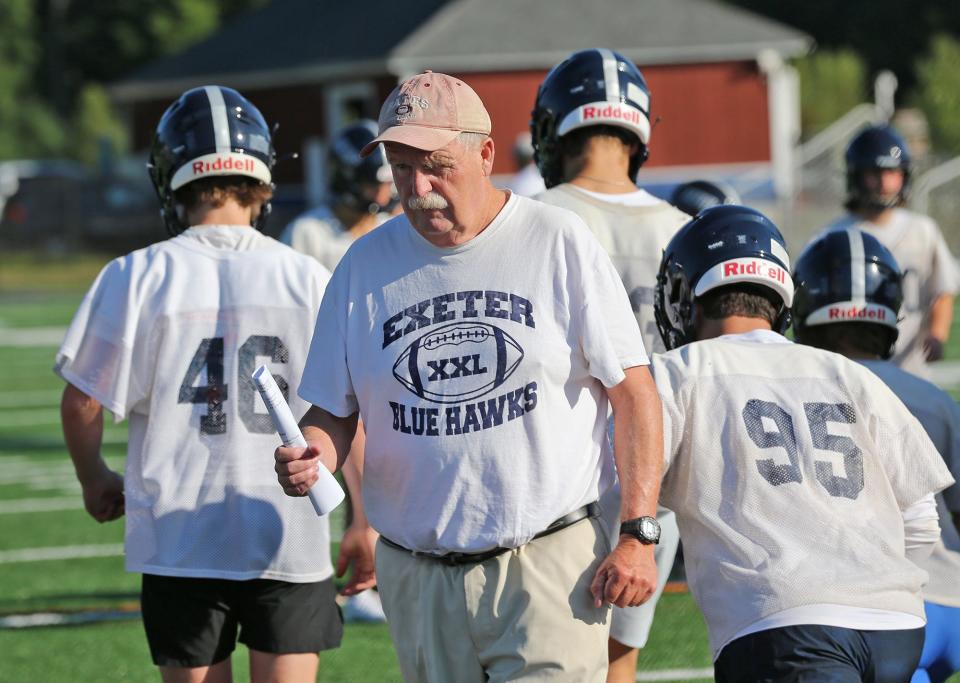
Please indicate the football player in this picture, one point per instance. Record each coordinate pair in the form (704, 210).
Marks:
(848, 298)
(785, 468)
(168, 337)
(590, 128)
(878, 173)
(697, 195)
(362, 196)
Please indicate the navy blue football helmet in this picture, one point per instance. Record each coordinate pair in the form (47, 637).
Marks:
(877, 147)
(847, 276)
(209, 131)
(349, 173)
(721, 246)
(697, 195)
(589, 88)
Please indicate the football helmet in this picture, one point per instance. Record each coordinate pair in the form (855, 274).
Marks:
(847, 276)
(722, 245)
(877, 147)
(208, 131)
(589, 88)
(349, 173)
(697, 195)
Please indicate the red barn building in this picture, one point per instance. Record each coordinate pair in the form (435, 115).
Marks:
(725, 101)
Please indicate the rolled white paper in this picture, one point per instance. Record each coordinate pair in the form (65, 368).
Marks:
(326, 494)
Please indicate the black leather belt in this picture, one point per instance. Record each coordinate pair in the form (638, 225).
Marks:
(453, 559)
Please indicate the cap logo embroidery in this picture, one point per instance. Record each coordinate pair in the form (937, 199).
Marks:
(405, 104)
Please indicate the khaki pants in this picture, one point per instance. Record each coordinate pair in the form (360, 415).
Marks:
(525, 615)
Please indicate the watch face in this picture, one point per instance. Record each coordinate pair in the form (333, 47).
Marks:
(648, 528)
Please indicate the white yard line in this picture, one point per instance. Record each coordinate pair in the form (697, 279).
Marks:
(32, 336)
(63, 552)
(15, 621)
(24, 505)
(30, 399)
(29, 418)
(676, 675)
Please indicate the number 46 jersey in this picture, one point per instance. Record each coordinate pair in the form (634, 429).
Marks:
(168, 337)
(788, 468)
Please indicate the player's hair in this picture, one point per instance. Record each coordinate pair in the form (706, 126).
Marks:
(572, 144)
(862, 337)
(472, 141)
(216, 190)
(749, 300)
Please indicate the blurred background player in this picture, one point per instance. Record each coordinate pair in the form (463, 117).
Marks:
(526, 181)
(695, 196)
(847, 301)
(801, 519)
(590, 134)
(168, 337)
(878, 173)
(361, 194)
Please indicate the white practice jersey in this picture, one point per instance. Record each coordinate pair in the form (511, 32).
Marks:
(168, 337)
(929, 271)
(785, 466)
(940, 416)
(634, 237)
(320, 234)
(479, 372)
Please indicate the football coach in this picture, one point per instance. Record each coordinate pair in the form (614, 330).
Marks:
(480, 336)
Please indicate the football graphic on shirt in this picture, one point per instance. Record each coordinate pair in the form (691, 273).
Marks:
(458, 362)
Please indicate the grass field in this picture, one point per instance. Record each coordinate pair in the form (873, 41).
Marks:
(54, 559)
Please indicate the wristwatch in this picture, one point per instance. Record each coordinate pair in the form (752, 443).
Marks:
(644, 529)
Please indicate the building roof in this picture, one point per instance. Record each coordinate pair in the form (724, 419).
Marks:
(288, 42)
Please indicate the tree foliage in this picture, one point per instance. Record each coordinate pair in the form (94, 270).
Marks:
(58, 56)
(938, 91)
(831, 84)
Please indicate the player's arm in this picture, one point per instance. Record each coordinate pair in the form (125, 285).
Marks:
(328, 440)
(628, 576)
(359, 540)
(941, 316)
(82, 419)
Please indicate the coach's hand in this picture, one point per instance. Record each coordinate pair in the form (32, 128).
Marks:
(627, 577)
(296, 468)
(103, 495)
(357, 551)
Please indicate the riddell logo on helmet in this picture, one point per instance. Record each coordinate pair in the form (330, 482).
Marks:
(223, 164)
(612, 112)
(856, 313)
(761, 268)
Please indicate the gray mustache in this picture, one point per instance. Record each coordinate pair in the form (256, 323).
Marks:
(431, 200)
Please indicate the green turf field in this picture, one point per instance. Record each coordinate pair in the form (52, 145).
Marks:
(40, 508)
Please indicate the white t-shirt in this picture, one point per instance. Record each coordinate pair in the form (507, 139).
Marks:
(940, 416)
(168, 336)
(634, 228)
(929, 271)
(320, 234)
(479, 372)
(785, 467)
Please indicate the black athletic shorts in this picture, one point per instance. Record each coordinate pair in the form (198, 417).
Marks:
(194, 622)
(820, 654)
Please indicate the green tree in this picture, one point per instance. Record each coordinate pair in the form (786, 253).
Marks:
(831, 84)
(28, 127)
(938, 91)
(95, 124)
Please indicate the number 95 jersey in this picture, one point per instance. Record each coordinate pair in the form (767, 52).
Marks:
(168, 336)
(788, 468)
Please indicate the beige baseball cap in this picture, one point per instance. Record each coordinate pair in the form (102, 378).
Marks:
(429, 110)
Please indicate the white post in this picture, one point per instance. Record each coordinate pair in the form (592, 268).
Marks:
(884, 90)
(314, 172)
(783, 98)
